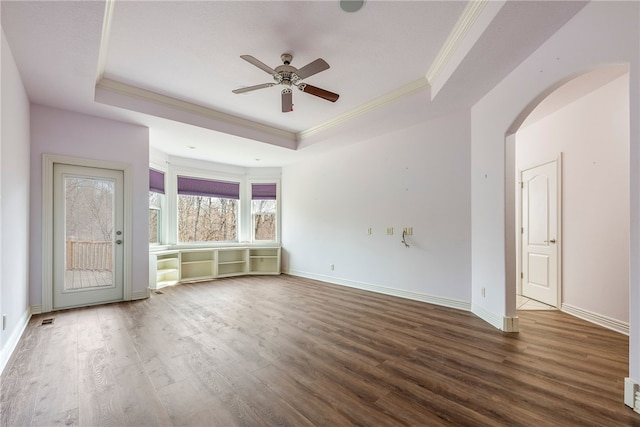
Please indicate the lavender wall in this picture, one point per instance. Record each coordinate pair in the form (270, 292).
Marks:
(60, 132)
(14, 212)
(417, 177)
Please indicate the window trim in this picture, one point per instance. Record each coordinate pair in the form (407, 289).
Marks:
(249, 189)
(198, 173)
(217, 172)
(163, 225)
(249, 196)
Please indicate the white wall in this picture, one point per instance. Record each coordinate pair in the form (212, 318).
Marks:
(60, 132)
(14, 204)
(417, 177)
(601, 33)
(593, 135)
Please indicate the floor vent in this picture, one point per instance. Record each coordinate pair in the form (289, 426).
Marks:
(47, 321)
(159, 292)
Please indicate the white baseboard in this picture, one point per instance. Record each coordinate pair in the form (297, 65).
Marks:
(416, 296)
(141, 294)
(504, 323)
(510, 324)
(12, 342)
(598, 319)
(630, 390)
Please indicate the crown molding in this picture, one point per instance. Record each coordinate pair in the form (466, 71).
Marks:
(174, 103)
(466, 21)
(104, 39)
(390, 97)
(188, 107)
(469, 16)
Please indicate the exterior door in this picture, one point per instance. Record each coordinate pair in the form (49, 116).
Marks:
(540, 237)
(87, 235)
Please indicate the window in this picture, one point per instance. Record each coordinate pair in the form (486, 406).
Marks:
(264, 211)
(207, 210)
(156, 199)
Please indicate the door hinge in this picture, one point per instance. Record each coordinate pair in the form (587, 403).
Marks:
(522, 185)
(521, 230)
(521, 275)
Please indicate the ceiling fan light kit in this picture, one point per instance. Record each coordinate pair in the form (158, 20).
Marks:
(288, 76)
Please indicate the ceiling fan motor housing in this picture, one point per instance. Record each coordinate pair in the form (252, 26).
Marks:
(286, 73)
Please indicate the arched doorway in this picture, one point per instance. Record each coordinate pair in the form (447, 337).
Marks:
(587, 119)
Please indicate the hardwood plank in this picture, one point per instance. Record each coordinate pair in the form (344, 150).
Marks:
(133, 387)
(59, 382)
(280, 350)
(99, 403)
(65, 418)
(20, 380)
(186, 406)
(308, 400)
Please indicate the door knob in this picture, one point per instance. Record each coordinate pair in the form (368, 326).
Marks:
(550, 241)
(118, 242)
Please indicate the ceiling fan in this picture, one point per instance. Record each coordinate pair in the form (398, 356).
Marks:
(287, 76)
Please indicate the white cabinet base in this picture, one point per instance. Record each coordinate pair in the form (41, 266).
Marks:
(170, 267)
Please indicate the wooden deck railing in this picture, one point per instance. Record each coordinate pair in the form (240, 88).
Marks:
(89, 255)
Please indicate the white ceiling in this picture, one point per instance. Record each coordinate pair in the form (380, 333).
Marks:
(172, 65)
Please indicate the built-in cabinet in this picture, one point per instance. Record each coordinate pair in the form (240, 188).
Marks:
(197, 264)
(232, 262)
(167, 268)
(189, 265)
(264, 260)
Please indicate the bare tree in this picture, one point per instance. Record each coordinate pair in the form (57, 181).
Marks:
(89, 208)
(264, 219)
(205, 219)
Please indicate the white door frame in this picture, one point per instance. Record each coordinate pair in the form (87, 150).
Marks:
(48, 161)
(559, 239)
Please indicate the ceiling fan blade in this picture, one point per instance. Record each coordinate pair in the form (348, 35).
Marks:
(258, 64)
(287, 100)
(250, 88)
(312, 68)
(324, 94)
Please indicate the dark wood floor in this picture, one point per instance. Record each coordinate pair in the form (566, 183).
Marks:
(262, 351)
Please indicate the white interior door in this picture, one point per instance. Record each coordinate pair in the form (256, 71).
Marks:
(540, 237)
(88, 210)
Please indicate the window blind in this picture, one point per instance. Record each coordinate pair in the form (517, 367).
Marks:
(263, 191)
(208, 188)
(156, 181)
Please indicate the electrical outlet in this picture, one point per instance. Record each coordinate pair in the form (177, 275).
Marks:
(389, 231)
(408, 231)
(484, 293)
(369, 231)
(4, 322)
(332, 267)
